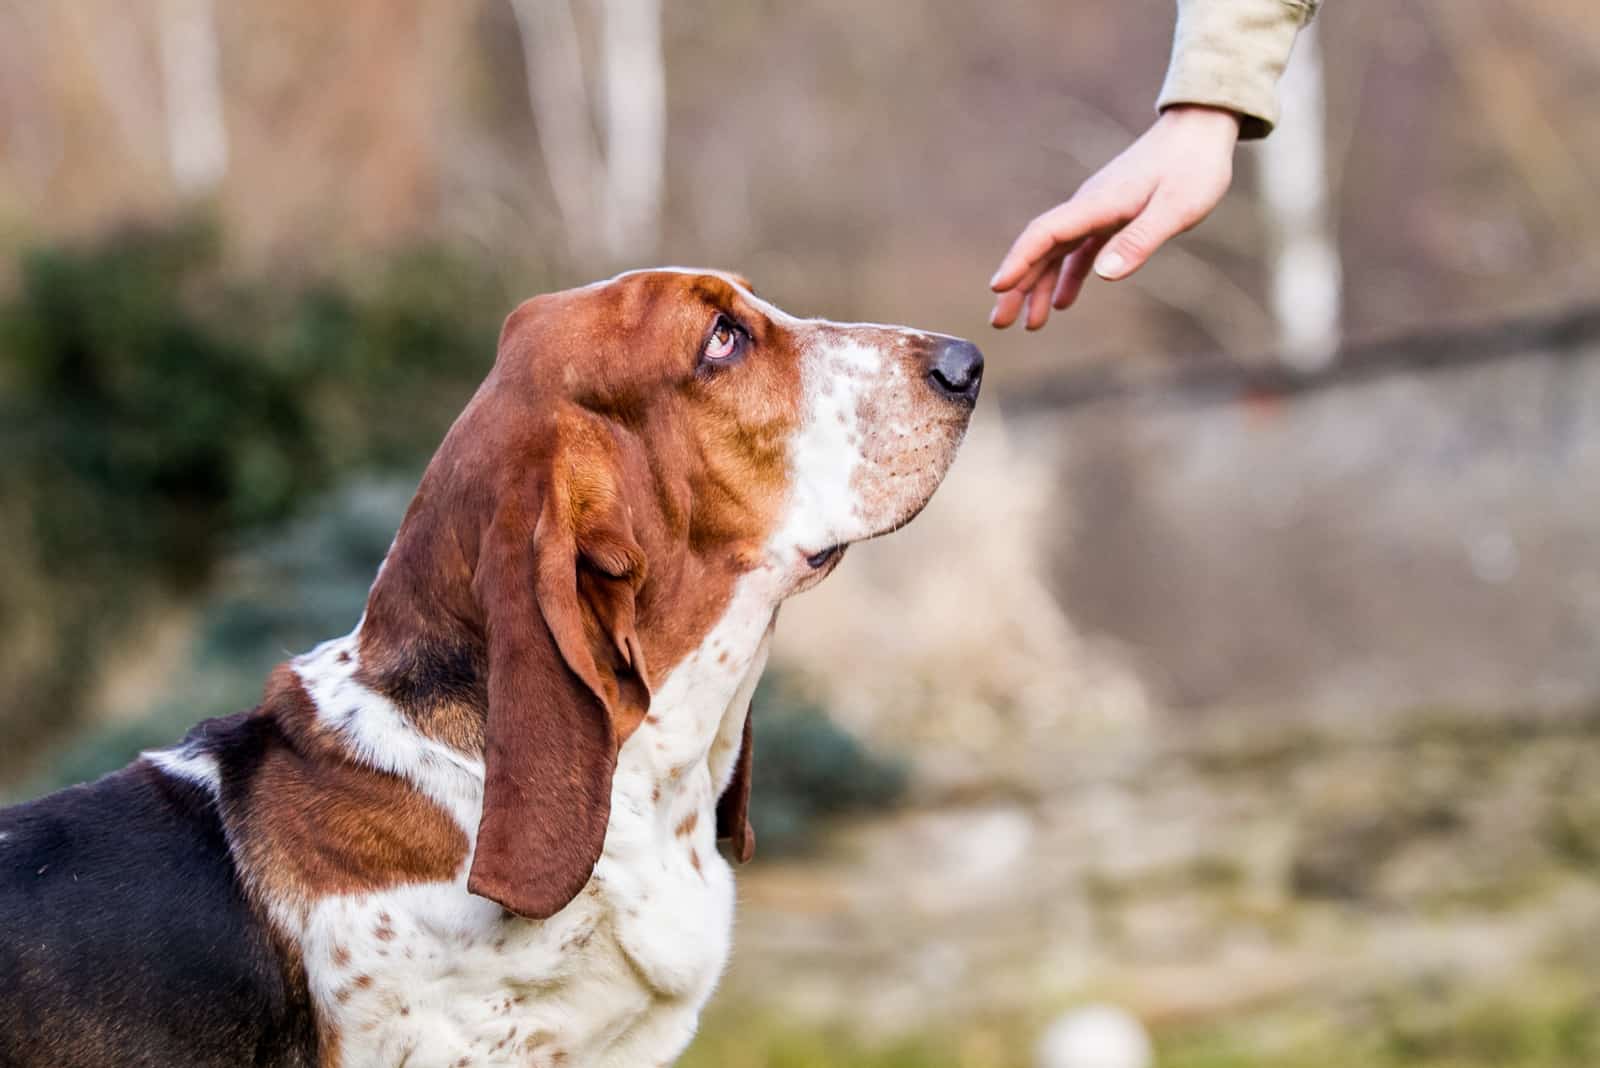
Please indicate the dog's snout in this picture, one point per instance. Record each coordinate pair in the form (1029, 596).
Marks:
(955, 369)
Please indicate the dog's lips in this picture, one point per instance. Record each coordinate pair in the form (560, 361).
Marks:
(822, 558)
(812, 567)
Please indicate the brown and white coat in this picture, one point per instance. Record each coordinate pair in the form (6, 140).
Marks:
(481, 828)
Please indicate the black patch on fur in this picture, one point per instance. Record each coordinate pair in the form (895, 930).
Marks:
(126, 939)
(432, 673)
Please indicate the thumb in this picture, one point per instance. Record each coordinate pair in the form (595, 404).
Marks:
(1136, 242)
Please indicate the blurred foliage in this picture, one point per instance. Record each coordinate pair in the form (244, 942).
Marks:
(149, 431)
(285, 590)
(152, 408)
(807, 770)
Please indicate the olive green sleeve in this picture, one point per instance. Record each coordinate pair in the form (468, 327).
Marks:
(1230, 54)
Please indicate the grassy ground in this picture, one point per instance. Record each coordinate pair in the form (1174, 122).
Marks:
(1555, 1024)
(1427, 897)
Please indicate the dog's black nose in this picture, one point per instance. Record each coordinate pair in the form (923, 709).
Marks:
(956, 369)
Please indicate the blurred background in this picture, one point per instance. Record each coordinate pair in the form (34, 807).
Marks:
(1245, 675)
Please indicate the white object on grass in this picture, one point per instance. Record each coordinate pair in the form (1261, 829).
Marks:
(1095, 1036)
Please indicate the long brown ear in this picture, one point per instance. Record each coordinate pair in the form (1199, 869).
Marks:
(733, 807)
(566, 686)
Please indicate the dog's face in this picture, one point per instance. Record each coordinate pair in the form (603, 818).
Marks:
(781, 438)
(642, 447)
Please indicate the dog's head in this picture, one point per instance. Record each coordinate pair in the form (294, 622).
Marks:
(640, 446)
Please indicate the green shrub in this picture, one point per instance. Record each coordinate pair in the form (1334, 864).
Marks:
(144, 432)
(807, 769)
(153, 410)
(285, 591)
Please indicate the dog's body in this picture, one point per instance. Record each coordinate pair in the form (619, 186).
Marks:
(126, 939)
(481, 829)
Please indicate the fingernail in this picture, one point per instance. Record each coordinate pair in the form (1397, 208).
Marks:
(1109, 265)
(994, 313)
(994, 279)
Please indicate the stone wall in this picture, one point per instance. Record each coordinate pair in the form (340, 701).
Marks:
(1420, 528)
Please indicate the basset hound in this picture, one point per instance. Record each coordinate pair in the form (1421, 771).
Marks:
(481, 829)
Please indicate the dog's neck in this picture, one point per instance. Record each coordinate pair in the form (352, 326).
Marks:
(417, 709)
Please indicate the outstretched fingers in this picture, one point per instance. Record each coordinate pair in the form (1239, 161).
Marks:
(1075, 271)
(1056, 231)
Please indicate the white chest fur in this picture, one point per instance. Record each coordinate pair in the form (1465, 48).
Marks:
(429, 975)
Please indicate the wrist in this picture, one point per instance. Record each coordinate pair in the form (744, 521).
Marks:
(1213, 121)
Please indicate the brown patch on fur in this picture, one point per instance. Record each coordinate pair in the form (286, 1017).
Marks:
(577, 940)
(506, 1041)
(596, 378)
(309, 822)
(537, 1040)
(329, 1054)
(341, 956)
(686, 825)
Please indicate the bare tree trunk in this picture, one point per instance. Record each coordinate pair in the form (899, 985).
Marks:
(635, 125)
(30, 123)
(559, 98)
(197, 136)
(610, 201)
(1506, 101)
(1307, 277)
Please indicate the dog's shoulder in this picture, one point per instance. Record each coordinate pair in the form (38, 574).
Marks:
(131, 875)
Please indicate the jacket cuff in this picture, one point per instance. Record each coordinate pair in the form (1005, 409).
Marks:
(1230, 54)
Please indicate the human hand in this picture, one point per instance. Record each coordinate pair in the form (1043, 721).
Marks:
(1164, 183)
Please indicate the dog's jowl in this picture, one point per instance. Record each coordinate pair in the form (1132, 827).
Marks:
(481, 829)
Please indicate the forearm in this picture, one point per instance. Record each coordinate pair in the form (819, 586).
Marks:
(1230, 54)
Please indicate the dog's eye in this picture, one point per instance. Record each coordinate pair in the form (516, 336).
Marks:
(724, 341)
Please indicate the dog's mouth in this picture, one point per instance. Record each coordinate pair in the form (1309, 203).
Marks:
(811, 568)
(819, 560)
